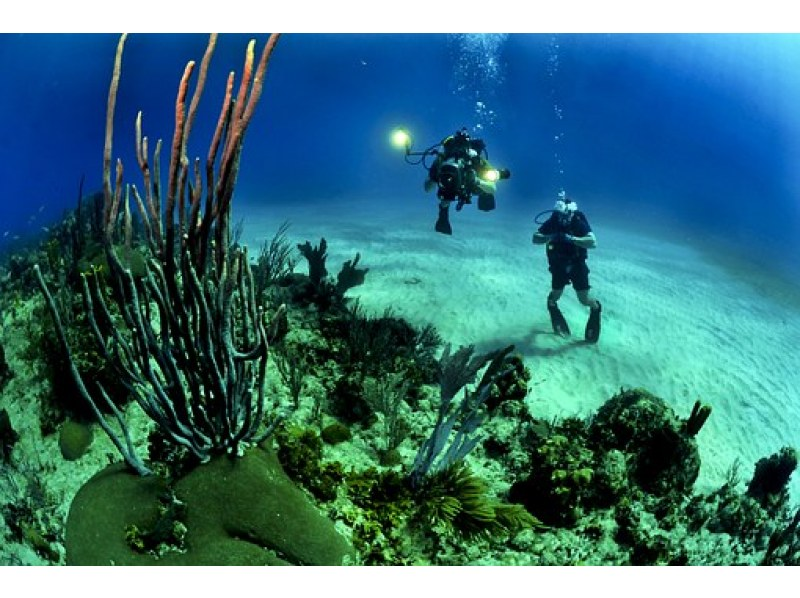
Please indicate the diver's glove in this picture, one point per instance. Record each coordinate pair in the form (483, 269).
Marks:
(562, 238)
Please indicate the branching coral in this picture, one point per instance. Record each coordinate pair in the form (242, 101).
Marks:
(194, 356)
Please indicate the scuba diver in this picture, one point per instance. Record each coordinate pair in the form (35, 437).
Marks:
(568, 236)
(459, 170)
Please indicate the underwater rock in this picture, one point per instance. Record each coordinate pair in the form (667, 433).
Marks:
(648, 543)
(74, 439)
(242, 511)
(662, 456)
(772, 476)
(5, 371)
(611, 480)
(740, 516)
(8, 437)
(560, 482)
(336, 433)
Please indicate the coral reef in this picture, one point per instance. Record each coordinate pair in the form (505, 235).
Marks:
(613, 488)
(364, 440)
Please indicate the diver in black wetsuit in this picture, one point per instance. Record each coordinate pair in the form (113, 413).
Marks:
(460, 171)
(568, 236)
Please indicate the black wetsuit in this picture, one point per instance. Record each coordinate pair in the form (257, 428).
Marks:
(567, 261)
(456, 150)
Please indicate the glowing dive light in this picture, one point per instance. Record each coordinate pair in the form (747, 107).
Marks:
(401, 139)
(491, 175)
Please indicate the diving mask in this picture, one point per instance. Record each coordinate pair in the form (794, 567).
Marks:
(565, 206)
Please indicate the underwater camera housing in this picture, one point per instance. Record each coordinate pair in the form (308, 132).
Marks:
(454, 177)
(458, 178)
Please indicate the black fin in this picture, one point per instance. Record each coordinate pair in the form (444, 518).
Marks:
(560, 325)
(443, 222)
(592, 334)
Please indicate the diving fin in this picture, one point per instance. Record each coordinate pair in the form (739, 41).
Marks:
(443, 222)
(560, 326)
(592, 333)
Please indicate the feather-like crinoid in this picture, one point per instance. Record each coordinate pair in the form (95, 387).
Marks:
(458, 501)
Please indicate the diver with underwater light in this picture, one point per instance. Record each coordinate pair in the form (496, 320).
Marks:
(459, 169)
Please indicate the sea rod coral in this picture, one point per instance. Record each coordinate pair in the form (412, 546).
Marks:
(188, 339)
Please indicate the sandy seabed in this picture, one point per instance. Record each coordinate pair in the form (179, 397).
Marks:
(682, 321)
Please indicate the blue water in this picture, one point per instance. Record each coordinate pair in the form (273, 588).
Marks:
(699, 132)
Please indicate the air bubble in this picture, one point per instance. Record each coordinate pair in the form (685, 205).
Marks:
(479, 71)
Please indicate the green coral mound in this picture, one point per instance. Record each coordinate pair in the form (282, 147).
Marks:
(237, 512)
(74, 439)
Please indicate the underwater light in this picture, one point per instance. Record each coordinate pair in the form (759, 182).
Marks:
(491, 175)
(401, 139)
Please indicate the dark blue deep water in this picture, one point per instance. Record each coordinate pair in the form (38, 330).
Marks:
(699, 132)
